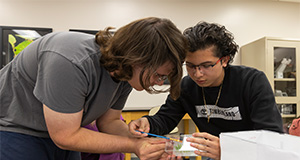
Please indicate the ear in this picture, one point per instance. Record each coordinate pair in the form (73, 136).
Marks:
(225, 61)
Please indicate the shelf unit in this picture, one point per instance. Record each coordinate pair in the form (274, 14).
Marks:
(279, 59)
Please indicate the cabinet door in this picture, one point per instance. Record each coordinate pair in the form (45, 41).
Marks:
(287, 110)
(284, 64)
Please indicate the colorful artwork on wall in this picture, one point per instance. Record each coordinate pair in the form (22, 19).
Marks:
(15, 39)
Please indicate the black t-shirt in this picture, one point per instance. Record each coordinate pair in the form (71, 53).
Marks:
(246, 102)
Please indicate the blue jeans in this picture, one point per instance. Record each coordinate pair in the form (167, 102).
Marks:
(16, 146)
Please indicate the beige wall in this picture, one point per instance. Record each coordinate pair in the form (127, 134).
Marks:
(246, 19)
(261, 17)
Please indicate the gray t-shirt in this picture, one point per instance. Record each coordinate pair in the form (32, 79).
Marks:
(62, 71)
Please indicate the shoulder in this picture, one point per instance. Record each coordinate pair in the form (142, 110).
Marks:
(65, 41)
(61, 35)
(246, 76)
(73, 46)
(243, 72)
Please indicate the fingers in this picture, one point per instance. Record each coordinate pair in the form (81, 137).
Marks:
(204, 144)
(157, 151)
(141, 124)
(205, 135)
(133, 126)
(173, 157)
(152, 148)
(144, 125)
(208, 145)
(164, 156)
(140, 134)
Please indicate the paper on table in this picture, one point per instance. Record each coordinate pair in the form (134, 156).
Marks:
(277, 154)
(260, 144)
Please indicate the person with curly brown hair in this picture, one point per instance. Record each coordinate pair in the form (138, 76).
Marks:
(66, 80)
(219, 97)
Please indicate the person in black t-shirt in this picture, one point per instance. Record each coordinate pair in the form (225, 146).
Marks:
(219, 97)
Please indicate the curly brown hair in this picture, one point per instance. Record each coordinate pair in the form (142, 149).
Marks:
(204, 35)
(149, 42)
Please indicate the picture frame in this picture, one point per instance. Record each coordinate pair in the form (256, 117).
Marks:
(14, 39)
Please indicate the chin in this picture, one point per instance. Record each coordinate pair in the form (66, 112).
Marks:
(139, 89)
(202, 85)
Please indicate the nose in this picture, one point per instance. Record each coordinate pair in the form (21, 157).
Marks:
(198, 72)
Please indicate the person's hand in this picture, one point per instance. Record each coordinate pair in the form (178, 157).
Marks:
(150, 148)
(141, 124)
(208, 145)
(172, 157)
(167, 156)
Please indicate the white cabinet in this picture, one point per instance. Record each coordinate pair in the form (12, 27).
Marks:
(279, 59)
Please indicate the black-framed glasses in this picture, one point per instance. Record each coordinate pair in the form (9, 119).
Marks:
(202, 67)
(160, 77)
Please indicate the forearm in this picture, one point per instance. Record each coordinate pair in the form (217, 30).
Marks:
(164, 122)
(89, 141)
(65, 131)
(115, 127)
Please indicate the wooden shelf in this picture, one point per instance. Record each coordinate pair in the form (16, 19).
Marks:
(285, 79)
(288, 115)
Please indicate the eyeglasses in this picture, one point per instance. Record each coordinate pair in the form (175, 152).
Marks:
(204, 68)
(160, 77)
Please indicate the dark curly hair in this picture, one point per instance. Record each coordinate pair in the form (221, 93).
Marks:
(204, 35)
(149, 42)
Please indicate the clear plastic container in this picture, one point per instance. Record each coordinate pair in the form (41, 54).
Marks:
(180, 148)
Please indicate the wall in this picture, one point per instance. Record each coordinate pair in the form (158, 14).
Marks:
(247, 20)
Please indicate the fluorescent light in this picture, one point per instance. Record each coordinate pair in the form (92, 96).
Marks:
(30, 34)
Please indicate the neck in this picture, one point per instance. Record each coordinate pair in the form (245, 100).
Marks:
(219, 81)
